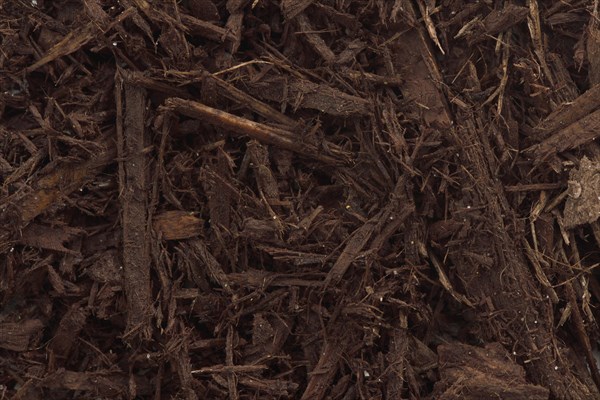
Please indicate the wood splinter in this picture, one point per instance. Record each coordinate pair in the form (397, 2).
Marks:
(241, 126)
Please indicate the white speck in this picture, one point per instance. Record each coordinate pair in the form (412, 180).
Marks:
(392, 218)
(514, 353)
(148, 356)
(34, 3)
(381, 298)
(556, 367)
(274, 216)
(366, 374)
(412, 242)
(468, 207)
(114, 44)
(348, 206)
(12, 249)
(81, 189)
(535, 322)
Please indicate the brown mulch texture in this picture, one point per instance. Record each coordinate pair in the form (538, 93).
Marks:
(299, 199)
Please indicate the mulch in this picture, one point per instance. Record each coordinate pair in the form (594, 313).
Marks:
(299, 199)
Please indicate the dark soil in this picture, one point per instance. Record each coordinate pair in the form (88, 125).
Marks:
(353, 199)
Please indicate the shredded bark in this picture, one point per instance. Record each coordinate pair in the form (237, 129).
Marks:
(303, 199)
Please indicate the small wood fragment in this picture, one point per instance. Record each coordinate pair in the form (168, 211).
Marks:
(177, 225)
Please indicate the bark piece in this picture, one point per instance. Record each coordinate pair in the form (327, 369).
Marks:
(206, 29)
(177, 225)
(474, 373)
(412, 56)
(570, 137)
(568, 114)
(65, 337)
(19, 336)
(583, 202)
(46, 237)
(305, 94)
(101, 382)
(314, 39)
(292, 8)
(593, 48)
(133, 187)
